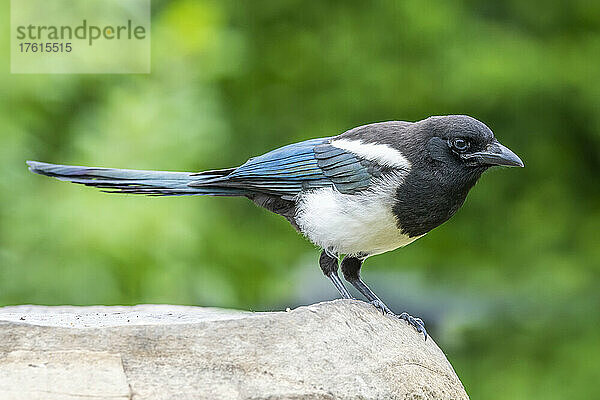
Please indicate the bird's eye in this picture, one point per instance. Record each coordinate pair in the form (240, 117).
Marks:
(460, 144)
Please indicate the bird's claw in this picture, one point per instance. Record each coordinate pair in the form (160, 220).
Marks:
(417, 323)
(380, 305)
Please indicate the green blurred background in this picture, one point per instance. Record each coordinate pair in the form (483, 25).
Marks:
(509, 287)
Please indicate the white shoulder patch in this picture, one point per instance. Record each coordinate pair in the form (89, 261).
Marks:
(379, 153)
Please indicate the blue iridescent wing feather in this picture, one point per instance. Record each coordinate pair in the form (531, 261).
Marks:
(300, 166)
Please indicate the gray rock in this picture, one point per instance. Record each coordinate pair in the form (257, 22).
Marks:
(336, 350)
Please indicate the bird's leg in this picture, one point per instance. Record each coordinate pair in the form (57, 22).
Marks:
(351, 270)
(329, 266)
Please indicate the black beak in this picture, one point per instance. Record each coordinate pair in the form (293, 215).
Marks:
(495, 154)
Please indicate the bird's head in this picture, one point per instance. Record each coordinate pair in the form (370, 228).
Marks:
(448, 155)
(460, 142)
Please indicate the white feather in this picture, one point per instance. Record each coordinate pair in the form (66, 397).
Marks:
(353, 223)
(379, 153)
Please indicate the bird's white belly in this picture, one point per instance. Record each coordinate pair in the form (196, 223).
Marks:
(351, 223)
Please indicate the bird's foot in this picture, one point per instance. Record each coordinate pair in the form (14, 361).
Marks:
(417, 323)
(380, 305)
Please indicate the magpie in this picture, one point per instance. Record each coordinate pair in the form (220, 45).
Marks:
(367, 191)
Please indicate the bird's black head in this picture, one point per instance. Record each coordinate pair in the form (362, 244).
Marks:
(448, 155)
(464, 143)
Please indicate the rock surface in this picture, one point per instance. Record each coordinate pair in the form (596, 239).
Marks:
(343, 349)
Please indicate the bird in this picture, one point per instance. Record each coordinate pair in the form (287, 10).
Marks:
(367, 191)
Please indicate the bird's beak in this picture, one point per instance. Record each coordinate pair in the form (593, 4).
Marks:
(496, 154)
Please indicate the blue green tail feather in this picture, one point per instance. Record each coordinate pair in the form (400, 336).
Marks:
(153, 183)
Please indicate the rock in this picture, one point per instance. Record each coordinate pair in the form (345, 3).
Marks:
(343, 349)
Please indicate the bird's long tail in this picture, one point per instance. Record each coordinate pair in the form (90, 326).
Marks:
(153, 183)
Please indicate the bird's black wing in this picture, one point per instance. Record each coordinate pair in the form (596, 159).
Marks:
(287, 171)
